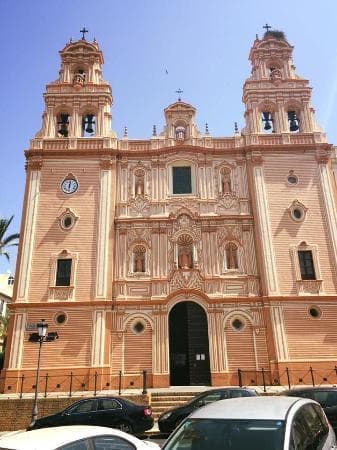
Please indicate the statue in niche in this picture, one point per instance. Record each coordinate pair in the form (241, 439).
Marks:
(139, 261)
(275, 74)
(185, 258)
(226, 181)
(139, 185)
(231, 256)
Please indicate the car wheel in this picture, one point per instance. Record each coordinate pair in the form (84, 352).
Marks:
(126, 427)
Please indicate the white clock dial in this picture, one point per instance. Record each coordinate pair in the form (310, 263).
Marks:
(69, 186)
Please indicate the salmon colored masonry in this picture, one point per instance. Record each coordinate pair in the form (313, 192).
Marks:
(237, 234)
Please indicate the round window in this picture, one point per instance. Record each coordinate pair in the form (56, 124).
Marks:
(292, 179)
(297, 213)
(68, 222)
(60, 318)
(315, 312)
(238, 324)
(138, 327)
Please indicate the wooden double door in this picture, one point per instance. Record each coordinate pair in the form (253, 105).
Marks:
(189, 348)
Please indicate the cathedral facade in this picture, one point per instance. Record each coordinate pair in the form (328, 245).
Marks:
(185, 256)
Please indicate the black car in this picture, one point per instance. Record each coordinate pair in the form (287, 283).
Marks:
(168, 421)
(325, 396)
(104, 411)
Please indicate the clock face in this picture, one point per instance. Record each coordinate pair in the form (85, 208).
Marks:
(69, 186)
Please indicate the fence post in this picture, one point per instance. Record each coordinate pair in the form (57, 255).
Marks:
(312, 376)
(46, 386)
(71, 384)
(21, 388)
(288, 378)
(240, 377)
(264, 380)
(95, 389)
(144, 382)
(120, 382)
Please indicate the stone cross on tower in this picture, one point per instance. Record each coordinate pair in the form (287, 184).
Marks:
(179, 92)
(266, 26)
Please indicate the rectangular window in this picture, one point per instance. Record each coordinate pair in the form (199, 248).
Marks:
(63, 272)
(182, 181)
(306, 265)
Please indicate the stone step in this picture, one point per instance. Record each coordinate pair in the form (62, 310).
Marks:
(171, 399)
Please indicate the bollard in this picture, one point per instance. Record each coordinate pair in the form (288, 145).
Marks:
(288, 378)
(144, 383)
(21, 388)
(46, 386)
(240, 377)
(95, 389)
(264, 380)
(120, 382)
(312, 376)
(71, 384)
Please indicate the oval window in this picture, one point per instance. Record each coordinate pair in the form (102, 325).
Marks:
(238, 324)
(60, 318)
(315, 312)
(292, 179)
(138, 327)
(297, 213)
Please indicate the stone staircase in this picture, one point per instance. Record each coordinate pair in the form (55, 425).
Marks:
(162, 401)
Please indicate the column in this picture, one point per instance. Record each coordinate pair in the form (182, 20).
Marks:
(328, 199)
(264, 229)
(15, 359)
(27, 240)
(103, 228)
(97, 357)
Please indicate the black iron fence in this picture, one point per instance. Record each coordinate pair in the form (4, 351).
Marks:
(100, 382)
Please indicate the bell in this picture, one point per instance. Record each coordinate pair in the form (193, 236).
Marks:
(89, 121)
(266, 118)
(293, 121)
(64, 122)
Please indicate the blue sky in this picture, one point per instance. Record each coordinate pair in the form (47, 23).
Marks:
(204, 46)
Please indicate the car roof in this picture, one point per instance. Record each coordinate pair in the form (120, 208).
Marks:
(51, 438)
(264, 408)
(311, 389)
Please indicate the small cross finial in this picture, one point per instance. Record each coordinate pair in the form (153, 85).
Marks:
(83, 31)
(125, 131)
(206, 128)
(236, 129)
(179, 91)
(266, 26)
(154, 130)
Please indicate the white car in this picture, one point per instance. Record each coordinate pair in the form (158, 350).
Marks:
(255, 423)
(74, 437)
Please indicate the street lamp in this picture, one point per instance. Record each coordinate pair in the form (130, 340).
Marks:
(42, 332)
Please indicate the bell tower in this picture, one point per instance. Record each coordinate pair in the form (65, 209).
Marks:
(277, 99)
(78, 102)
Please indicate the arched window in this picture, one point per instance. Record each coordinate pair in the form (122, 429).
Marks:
(63, 125)
(231, 256)
(88, 125)
(226, 180)
(267, 119)
(185, 252)
(139, 253)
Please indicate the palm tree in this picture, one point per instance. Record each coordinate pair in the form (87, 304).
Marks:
(7, 241)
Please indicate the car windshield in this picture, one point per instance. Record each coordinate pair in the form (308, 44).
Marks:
(231, 434)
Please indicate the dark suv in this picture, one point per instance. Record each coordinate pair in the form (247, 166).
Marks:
(325, 396)
(168, 421)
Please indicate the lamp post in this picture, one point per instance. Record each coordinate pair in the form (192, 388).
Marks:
(42, 332)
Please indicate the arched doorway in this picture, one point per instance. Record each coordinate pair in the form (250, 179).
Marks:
(189, 349)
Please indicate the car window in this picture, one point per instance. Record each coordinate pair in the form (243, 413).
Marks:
(322, 417)
(83, 407)
(78, 445)
(112, 443)
(108, 403)
(238, 393)
(299, 438)
(326, 398)
(212, 397)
